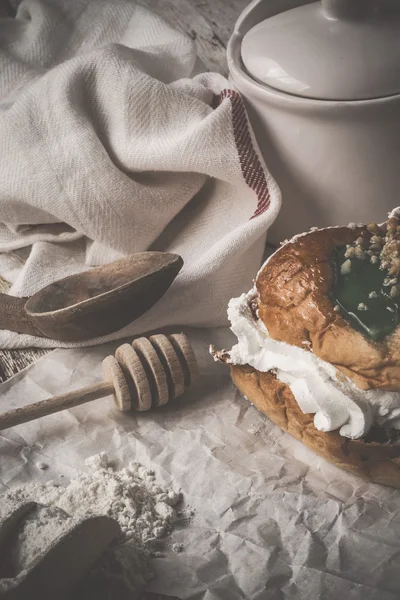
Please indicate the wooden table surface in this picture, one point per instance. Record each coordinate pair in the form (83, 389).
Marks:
(209, 23)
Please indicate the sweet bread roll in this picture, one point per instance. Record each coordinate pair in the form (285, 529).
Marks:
(296, 307)
(318, 346)
(376, 457)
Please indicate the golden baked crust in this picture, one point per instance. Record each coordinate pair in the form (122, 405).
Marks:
(373, 460)
(294, 305)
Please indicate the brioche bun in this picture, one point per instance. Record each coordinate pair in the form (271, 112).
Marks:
(294, 305)
(293, 301)
(376, 457)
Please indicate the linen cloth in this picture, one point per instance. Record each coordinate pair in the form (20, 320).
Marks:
(109, 147)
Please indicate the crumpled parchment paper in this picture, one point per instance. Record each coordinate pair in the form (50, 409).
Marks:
(271, 520)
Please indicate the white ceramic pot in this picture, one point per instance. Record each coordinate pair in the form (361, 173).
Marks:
(335, 160)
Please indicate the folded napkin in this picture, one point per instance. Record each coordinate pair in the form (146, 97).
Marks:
(108, 147)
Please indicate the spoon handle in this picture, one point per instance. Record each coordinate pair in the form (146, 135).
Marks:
(13, 315)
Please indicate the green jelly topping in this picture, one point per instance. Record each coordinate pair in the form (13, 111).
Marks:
(378, 315)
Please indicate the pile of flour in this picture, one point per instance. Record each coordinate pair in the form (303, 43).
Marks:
(145, 512)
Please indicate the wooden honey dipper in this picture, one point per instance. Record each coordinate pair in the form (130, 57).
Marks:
(150, 372)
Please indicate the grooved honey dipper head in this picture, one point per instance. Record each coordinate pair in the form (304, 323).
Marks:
(150, 372)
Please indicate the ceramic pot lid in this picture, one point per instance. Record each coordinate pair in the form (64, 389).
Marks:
(330, 50)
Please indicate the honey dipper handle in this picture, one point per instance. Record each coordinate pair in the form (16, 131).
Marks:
(55, 404)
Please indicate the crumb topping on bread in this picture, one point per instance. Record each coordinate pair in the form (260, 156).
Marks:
(379, 244)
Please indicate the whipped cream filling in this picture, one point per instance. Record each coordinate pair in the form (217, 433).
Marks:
(336, 403)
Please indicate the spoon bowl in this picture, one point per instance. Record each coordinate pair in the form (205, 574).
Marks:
(94, 303)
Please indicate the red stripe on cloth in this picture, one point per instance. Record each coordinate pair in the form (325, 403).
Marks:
(253, 173)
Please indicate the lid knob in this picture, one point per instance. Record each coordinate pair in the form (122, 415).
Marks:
(348, 9)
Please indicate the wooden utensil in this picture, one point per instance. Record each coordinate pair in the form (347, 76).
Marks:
(56, 570)
(8, 524)
(148, 373)
(94, 303)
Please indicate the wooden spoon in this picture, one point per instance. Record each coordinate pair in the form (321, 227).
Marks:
(63, 562)
(94, 303)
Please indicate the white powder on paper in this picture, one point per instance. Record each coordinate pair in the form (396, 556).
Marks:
(144, 511)
(41, 465)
